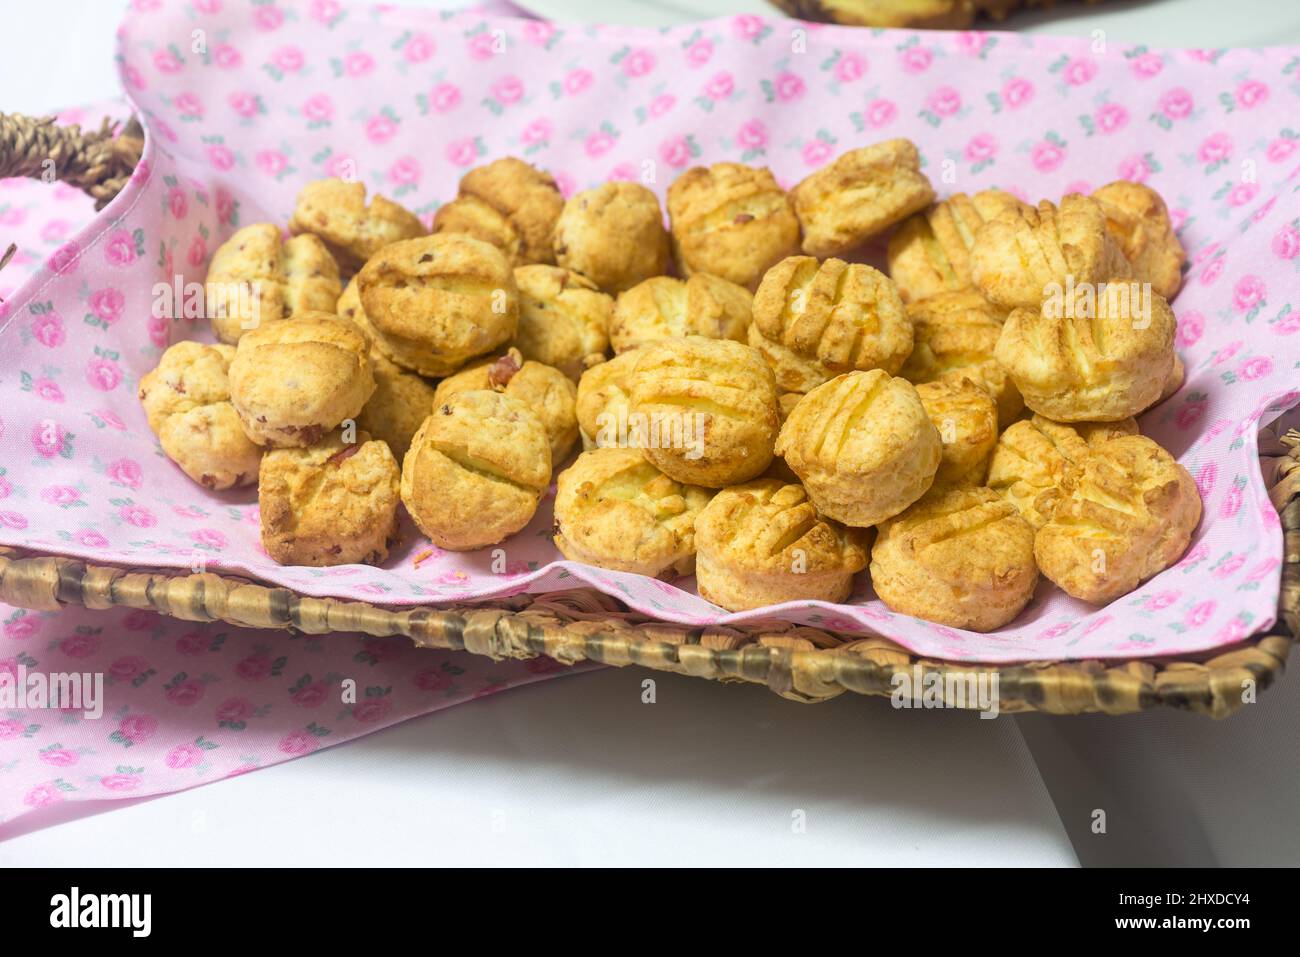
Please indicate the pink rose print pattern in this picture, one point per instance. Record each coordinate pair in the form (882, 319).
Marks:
(408, 101)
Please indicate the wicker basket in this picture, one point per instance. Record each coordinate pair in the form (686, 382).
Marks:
(801, 663)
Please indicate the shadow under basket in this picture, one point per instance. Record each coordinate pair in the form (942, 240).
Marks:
(797, 662)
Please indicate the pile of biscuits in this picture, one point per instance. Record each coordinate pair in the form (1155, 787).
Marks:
(752, 408)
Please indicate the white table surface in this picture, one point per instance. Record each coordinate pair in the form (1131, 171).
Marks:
(578, 770)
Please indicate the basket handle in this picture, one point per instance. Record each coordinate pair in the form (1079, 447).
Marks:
(98, 162)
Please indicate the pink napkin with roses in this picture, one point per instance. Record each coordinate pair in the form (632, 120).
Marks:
(285, 92)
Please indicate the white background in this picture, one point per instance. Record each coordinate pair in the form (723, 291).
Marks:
(580, 770)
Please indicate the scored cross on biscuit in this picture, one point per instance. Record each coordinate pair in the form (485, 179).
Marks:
(813, 321)
(255, 277)
(764, 543)
(438, 301)
(476, 470)
(337, 213)
(616, 510)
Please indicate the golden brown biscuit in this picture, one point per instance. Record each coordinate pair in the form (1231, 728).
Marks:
(547, 392)
(402, 399)
(400, 403)
(931, 252)
(293, 381)
(704, 410)
(476, 470)
(187, 402)
(507, 203)
(1032, 458)
(664, 308)
(785, 404)
(967, 420)
(1126, 514)
(863, 446)
(614, 235)
(336, 211)
(615, 510)
(604, 402)
(960, 557)
(349, 307)
(1091, 359)
(1023, 255)
(563, 319)
(255, 278)
(331, 503)
(860, 195)
(956, 334)
(764, 543)
(813, 321)
(1138, 220)
(436, 302)
(731, 221)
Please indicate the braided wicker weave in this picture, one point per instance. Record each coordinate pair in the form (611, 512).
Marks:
(98, 162)
(801, 663)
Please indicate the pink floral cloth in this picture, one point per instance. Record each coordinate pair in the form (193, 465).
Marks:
(284, 92)
(186, 704)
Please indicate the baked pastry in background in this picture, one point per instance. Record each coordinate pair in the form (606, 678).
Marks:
(1033, 456)
(813, 321)
(254, 277)
(731, 221)
(613, 509)
(604, 401)
(546, 391)
(400, 403)
(665, 308)
(336, 211)
(613, 235)
(1107, 358)
(508, 203)
(704, 410)
(436, 302)
(967, 420)
(860, 195)
(1138, 221)
(1022, 254)
(930, 253)
(961, 557)
(563, 319)
(186, 399)
(295, 380)
(401, 400)
(764, 542)
(330, 503)
(1126, 514)
(955, 336)
(785, 403)
(863, 446)
(926, 14)
(476, 470)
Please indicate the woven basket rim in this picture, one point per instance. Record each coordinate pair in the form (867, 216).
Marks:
(585, 625)
(760, 627)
